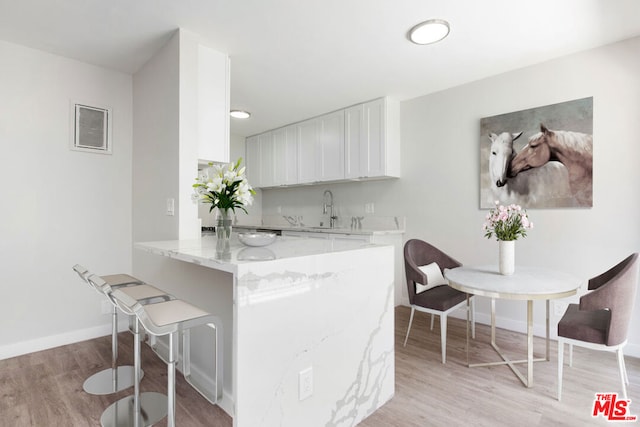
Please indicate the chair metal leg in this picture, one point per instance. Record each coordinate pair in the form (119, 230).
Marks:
(409, 327)
(443, 336)
(623, 375)
(171, 379)
(473, 318)
(571, 355)
(624, 368)
(114, 337)
(560, 363)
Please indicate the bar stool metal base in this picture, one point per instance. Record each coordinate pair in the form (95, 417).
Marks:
(153, 408)
(110, 380)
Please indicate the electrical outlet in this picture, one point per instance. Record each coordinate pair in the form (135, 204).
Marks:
(305, 383)
(368, 208)
(106, 307)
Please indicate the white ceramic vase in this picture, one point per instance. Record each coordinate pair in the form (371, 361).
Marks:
(506, 256)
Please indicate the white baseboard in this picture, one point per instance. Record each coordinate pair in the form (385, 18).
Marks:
(52, 341)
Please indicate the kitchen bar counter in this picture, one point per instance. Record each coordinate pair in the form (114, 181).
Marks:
(298, 310)
(203, 251)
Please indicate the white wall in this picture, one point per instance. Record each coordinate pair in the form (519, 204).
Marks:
(155, 152)
(59, 207)
(165, 158)
(439, 188)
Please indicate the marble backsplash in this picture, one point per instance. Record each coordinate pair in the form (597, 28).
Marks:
(371, 222)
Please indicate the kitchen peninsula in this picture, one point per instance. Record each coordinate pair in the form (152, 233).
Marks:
(308, 324)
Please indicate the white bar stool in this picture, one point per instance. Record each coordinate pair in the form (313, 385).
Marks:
(116, 378)
(140, 409)
(170, 318)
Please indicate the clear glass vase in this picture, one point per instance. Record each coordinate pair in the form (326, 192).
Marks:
(223, 233)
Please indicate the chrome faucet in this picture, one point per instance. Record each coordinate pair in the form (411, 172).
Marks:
(328, 207)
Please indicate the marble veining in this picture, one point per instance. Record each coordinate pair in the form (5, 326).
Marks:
(254, 283)
(322, 305)
(365, 392)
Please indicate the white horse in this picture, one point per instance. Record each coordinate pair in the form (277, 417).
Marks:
(545, 186)
(573, 149)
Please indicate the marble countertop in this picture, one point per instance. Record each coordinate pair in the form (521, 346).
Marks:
(204, 251)
(360, 231)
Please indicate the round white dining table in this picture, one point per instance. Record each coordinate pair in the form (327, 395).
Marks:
(527, 283)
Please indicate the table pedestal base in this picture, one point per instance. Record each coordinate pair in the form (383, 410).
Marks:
(528, 381)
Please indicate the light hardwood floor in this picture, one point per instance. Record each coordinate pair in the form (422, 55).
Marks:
(45, 388)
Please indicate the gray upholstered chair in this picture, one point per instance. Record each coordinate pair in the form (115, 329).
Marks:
(601, 320)
(438, 300)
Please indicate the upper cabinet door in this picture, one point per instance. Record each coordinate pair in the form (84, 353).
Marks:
(212, 105)
(330, 158)
(307, 141)
(252, 161)
(285, 156)
(353, 134)
(373, 142)
(372, 150)
(267, 164)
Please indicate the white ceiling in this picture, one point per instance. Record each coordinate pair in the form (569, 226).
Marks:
(294, 59)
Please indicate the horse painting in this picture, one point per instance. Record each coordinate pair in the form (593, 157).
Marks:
(547, 185)
(573, 149)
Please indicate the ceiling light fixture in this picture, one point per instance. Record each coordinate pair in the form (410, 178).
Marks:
(430, 31)
(240, 114)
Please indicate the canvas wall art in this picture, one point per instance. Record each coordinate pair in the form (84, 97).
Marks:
(538, 158)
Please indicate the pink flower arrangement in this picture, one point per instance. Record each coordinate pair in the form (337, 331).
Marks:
(507, 222)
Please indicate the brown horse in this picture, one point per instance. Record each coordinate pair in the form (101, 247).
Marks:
(572, 149)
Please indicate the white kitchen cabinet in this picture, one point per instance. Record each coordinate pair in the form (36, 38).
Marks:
(372, 145)
(285, 156)
(212, 105)
(321, 148)
(330, 147)
(259, 152)
(359, 142)
(252, 161)
(307, 139)
(267, 166)
(272, 158)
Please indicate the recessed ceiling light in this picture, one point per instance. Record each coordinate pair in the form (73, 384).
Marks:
(428, 32)
(240, 114)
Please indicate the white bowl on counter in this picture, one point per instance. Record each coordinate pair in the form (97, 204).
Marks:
(257, 238)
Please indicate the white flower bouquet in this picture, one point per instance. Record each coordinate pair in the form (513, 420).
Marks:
(224, 186)
(507, 222)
